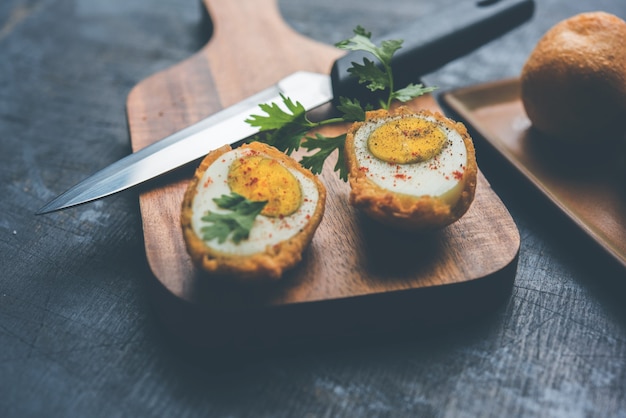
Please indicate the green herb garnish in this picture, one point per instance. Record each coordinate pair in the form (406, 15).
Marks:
(237, 222)
(287, 130)
(374, 77)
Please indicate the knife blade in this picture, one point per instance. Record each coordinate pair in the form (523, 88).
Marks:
(427, 46)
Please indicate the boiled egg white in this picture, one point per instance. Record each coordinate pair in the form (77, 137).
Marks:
(295, 205)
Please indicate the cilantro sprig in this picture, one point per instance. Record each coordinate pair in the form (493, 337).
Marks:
(236, 223)
(287, 127)
(379, 78)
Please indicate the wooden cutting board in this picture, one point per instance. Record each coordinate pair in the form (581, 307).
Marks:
(356, 277)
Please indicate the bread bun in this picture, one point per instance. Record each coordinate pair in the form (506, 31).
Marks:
(573, 85)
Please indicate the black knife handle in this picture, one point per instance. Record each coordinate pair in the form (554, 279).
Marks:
(434, 40)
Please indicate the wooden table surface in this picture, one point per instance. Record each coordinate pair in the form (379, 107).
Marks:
(78, 336)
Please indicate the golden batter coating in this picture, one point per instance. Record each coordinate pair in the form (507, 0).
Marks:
(268, 264)
(402, 210)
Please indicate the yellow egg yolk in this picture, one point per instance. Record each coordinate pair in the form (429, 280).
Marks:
(258, 178)
(406, 141)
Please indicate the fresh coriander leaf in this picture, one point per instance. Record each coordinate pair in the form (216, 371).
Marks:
(411, 91)
(360, 30)
(376, 78)
(282, 129)
(361, 41)
(351, 109)
(277, 117)
(326, 146)
(236, 223)
(370, 74)
(387, 49)
(288, 138)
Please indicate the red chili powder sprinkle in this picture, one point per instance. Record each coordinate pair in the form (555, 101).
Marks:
(458, 175)
(208, 182)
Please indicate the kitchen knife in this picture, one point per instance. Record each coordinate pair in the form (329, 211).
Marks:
(428, 44)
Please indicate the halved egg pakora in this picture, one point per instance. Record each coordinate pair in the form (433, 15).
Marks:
(411, 170)
(279, 234)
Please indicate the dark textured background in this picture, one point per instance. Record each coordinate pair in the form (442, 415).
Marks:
(78, 338)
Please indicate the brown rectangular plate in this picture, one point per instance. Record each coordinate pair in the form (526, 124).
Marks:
(589, 194)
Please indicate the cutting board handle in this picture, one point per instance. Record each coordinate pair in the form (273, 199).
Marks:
(252, 47)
